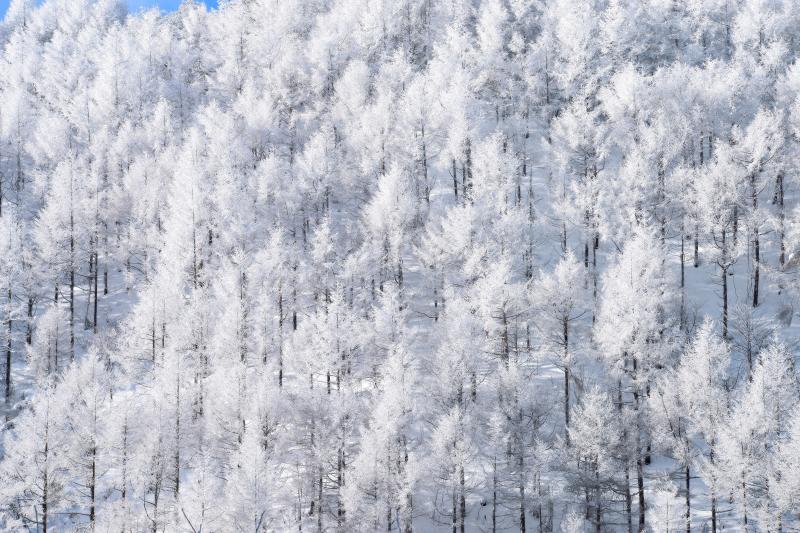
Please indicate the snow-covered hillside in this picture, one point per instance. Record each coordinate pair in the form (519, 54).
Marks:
(414, 265)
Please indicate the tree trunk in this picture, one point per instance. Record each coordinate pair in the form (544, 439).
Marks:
(725, 302)
(756, 244)
(586, 254)
(713, 513)
(425, 167)
(319, 503)
(594, 276)
(71, 274)
(125, 458)
(92, 484)
(688, 502)
(724, 267)
(640, 487)
(683, 280)
(522, 524)
(96, 271)
(280, 337)
(462, 499)
(639, 460)
(628, 497)
(8, 353)
(713, 497)
(29, 332)
(178, 435)
(781, 221)
(455, 181)
(504, 339)
(494, 495)
(71, 306)
(744, 501)
(597, 504)
(454, 521)
(339, 485)
(565, 332)
(45, 485)
(702, 154)
(566, 404)
(756, 270)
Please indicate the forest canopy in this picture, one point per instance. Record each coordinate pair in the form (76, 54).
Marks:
(400, 265)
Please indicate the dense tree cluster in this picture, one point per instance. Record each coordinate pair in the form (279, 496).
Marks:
(407, 265)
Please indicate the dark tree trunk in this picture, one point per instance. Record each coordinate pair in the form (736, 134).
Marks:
(8, 352)
(756, 243)
(586, 254)
(425, 167)
(628, 498)
(494, 496)
(756, 271)
(45, 485)
(178, 436)
(781, 221)
(713, 497)
(92, 485)
(72, 305)
(454, 522)
(640, 488)
(683, 280)
(96, 271)
(462, 499)
(566, 404)
(725, 302)
(724, 267)
(455, 181)
(598, 510)
(565, 335)
(319, 504)
(713, 513)
(639, 458)
(688, 502)
(522, 524)
(29, 332)
(280, 338)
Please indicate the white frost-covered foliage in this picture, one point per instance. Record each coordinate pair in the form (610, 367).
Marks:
(414, 265)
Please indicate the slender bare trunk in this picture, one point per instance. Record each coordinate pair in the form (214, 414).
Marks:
(96, 270)
(713, 496)
(565, 333)
(683, 280)
(756, 243)
(8, 351)
(688, 502)
(462, 499)
(522, 523)
(628, 498)
(724, 267)
(781, 220)
(640, 488)
(455, 181)
(494, 495)
(92, 484)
